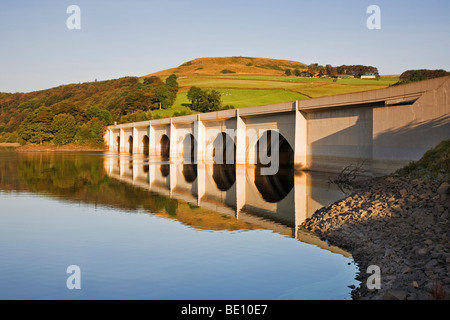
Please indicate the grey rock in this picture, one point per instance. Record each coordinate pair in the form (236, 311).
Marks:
(403, 193)
(431, 264)
(443, 188)
(395, 295)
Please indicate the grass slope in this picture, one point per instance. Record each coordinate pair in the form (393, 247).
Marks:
(257, 81)
(235, 65)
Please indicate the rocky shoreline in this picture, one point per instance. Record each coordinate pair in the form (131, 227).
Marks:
(400, 224)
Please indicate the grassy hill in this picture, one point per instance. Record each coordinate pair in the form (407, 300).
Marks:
(246, 81)
(232, 65)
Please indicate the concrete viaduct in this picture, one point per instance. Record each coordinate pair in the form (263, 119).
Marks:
(384, 129)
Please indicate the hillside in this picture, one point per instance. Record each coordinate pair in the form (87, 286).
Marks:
(232, 65)
(248, 81)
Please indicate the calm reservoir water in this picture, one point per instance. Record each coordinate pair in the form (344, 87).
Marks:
(140, 228)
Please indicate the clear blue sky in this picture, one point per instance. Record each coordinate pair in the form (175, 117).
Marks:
(137, 37)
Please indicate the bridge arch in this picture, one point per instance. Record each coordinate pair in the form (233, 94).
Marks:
(224, 149)
(189, 147)
(165, 146)
(118, 144)
(130, 144)
(145, 145)
(273, 145)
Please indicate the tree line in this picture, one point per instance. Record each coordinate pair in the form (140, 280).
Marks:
(79, 113)
(421, 74)
(316, 69)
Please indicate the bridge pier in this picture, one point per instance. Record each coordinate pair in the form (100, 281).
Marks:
(121, 140)
(136, 141)
(199, 136)
(152, 141)
(240, 140)
(301, 138)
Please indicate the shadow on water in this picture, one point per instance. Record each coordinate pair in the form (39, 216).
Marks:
(224, 176)
(274, 188)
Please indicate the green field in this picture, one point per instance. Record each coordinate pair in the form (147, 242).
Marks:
(355, 81)
(239, 98)
(309, 87)
(243, 91)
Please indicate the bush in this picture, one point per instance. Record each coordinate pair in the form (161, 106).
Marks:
(181, 113)
(225, 71)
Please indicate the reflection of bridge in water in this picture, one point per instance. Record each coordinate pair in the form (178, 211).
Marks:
(278, 202)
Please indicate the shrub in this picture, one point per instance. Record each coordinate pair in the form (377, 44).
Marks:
(225, 71)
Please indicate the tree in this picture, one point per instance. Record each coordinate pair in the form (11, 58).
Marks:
(135, 100)
(53, 99)
(330, 70)
(134, 117)
(312, 68)
(97, 130)
(91, 132)
(69, 108)
(36, 128)
(193, 93)
(101, 114)
(164, 97)
(297, 73)
(153, 81)
(321, 70)
(287, 72)
(64, 128)
(32, 104)
(204, 100)
(171, 82)
(357, 70)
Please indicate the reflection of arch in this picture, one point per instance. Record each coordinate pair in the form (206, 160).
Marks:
(165, 170)
(264, 147)
(190, 172)
(274, 188)
(224, 176)
(189, 147)
(146, 144)
(165, 146)
(130, 144)
(224, 151)
(118, 143)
